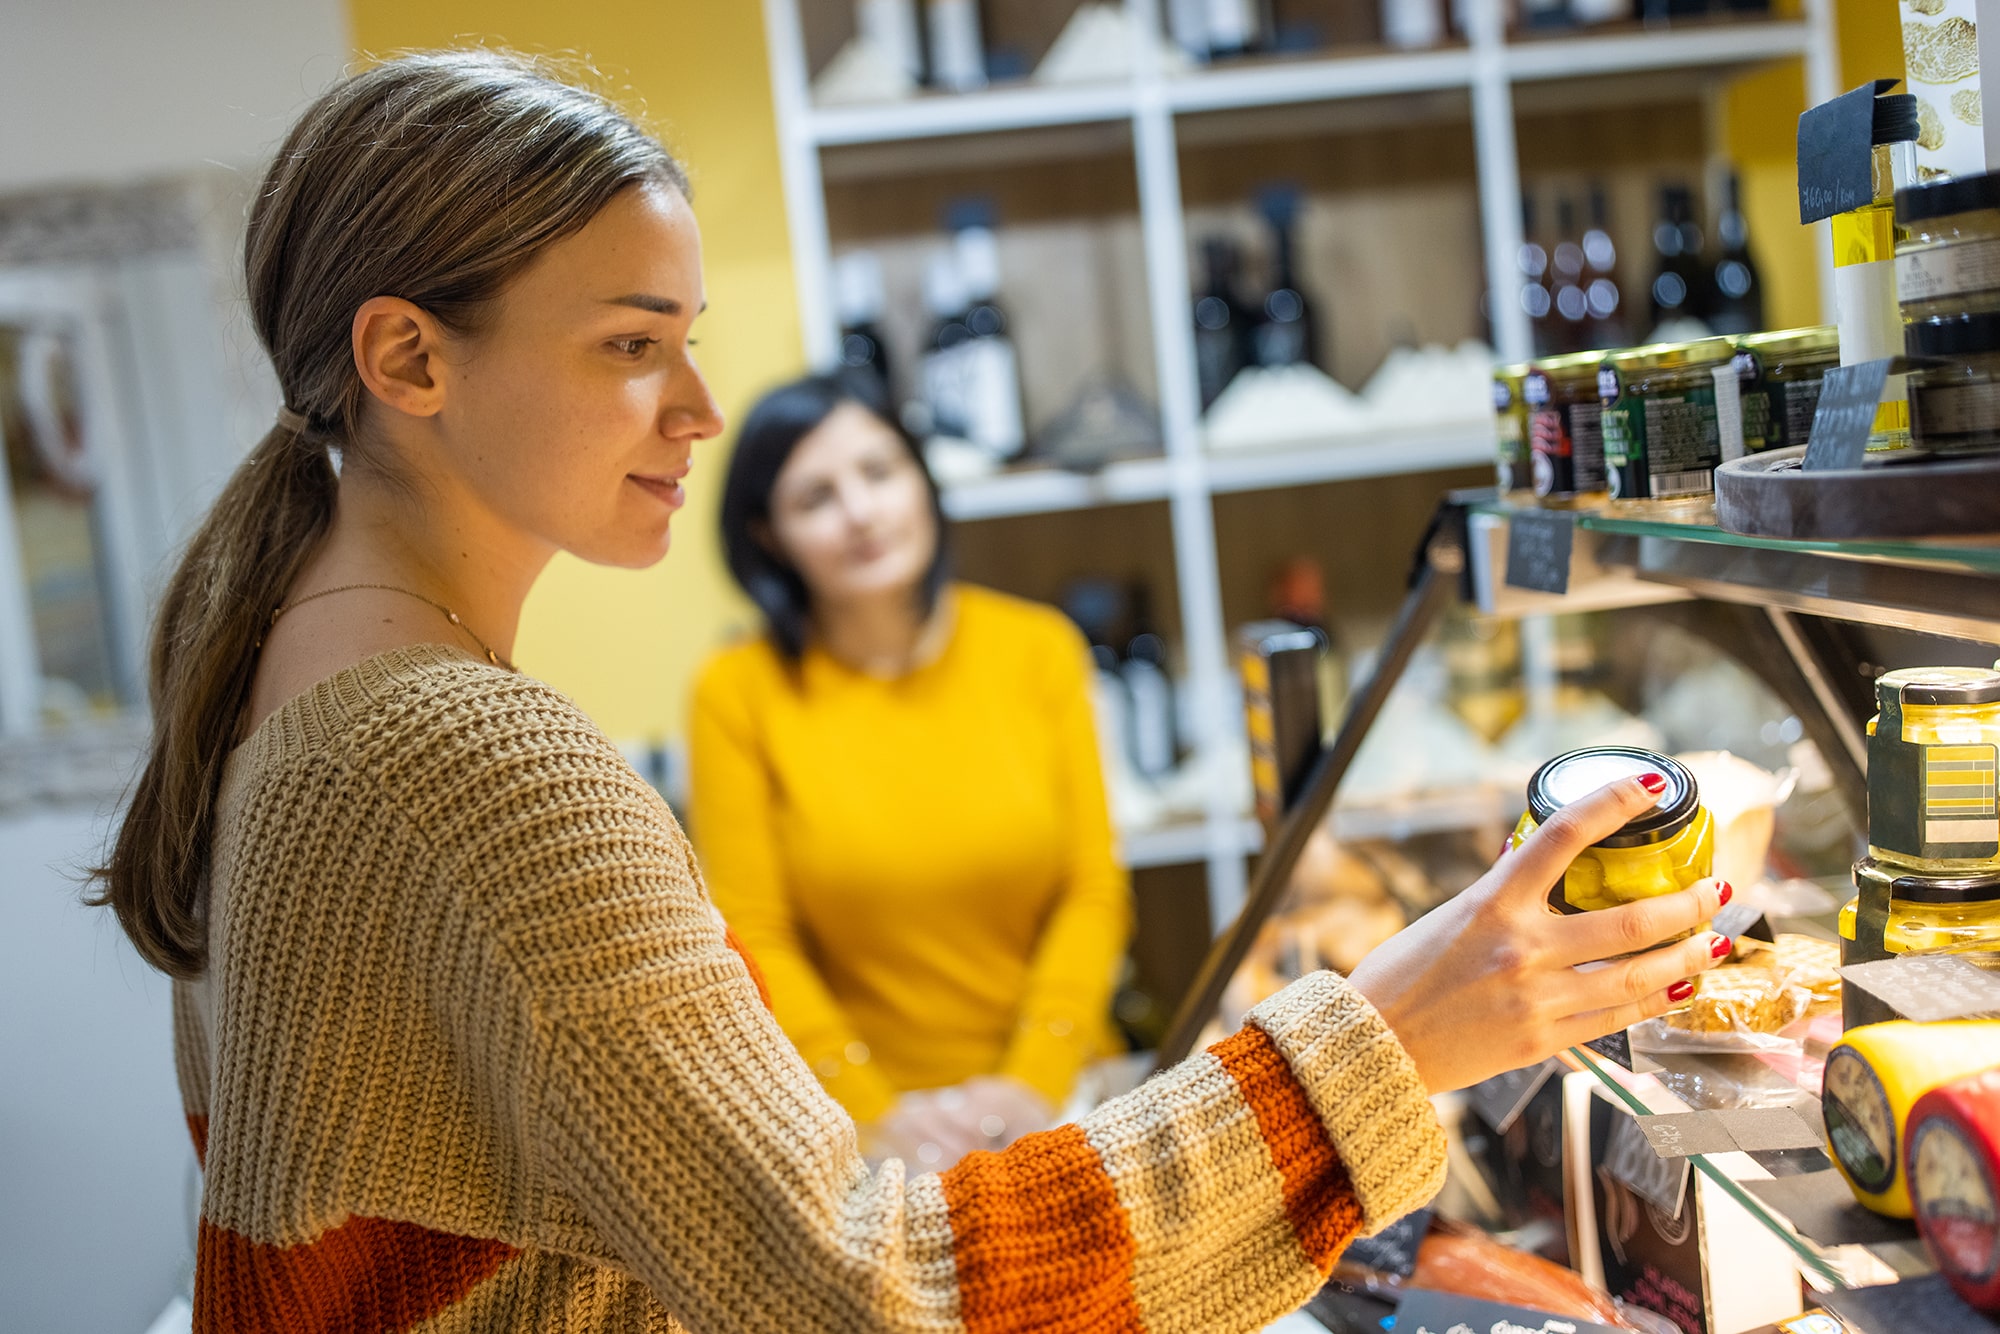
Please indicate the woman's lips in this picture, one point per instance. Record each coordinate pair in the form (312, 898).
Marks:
(667, 490)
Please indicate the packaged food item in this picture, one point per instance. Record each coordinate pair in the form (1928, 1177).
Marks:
(1921, 914)
(1873, 1080)
(1565, 431)
(1662, 441)
(1665, 848)
(1473, 1265)
(1510, 427)
(1955, 407)
(1933, 757)
(1951, 1159)
(1780, 375)
(1737, 1005)
(1948, 246)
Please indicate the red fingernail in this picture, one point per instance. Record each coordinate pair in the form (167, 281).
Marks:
(1721, 948)
(1508, 846)
(1653, 783)
(1680, 991)
(1724, 894)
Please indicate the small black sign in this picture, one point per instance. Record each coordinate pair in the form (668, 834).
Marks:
(1926, 1304)
(1393, 1250)
(1425, 1312)
(1836, 147)
(1615, 1046)
(1846, 415)
(1501, 1099)
(1538, 547)
(1929, 987)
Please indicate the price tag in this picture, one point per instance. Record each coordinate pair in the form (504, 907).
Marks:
(1836, 147)
(1841, 425)
(1614, 1047)
(1538, 549)
(1929, 987)
(1425, 1312)
(1501, 1099)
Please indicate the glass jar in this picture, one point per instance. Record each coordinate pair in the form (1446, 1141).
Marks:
(1565, 433)
(1660, 851)
(1924, 914)
(1510, 426)
(1661, 438)
(1933, 754)
(1948, 247)
(1781, 375)
(1955, 408)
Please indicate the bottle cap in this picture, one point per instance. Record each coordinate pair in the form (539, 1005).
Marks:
(857, 287)
(1958, 194)
(944, 286)
(978, 262)
(1895, 118)
(1579, 773)
(1952, 335)
(1939, 685)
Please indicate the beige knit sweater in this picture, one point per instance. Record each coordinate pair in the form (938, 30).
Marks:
(474, 1052)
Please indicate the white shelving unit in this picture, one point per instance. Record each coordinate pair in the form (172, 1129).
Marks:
(1488, 66)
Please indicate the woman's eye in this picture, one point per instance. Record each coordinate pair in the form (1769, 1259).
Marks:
(633, 347)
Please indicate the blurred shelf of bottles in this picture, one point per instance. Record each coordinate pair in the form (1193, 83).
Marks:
(1581, 295)
(893, 50)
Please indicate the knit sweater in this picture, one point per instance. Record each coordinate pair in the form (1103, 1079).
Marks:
(474, 1052)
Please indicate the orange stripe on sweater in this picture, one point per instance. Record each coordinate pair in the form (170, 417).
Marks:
(366, 1276)
(1040, 1240)
(756, 973)
(198, 1132)
(1319, 1196)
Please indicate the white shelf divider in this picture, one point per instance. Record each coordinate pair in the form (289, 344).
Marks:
(1151, 101)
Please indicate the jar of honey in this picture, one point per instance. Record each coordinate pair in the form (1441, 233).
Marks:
(1933, 755)
(1666, 848)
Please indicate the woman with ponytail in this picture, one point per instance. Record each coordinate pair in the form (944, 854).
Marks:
(461, 1041)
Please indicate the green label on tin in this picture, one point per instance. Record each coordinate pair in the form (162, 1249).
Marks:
(1662, 445)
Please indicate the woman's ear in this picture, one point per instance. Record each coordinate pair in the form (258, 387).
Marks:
(764, 536)
(397, 347)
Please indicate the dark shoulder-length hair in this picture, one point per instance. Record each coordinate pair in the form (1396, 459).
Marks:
(782, 418)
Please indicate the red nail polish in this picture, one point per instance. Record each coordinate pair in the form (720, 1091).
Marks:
(1680, 991)
(1724, 894)
(1721, 948)
(1653, 783)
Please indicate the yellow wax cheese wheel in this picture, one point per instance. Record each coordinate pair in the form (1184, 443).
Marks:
(1874, 1077)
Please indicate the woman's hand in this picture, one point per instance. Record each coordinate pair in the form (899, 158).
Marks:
(1490, 981)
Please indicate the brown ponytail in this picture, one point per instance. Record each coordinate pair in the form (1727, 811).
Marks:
(435, 178)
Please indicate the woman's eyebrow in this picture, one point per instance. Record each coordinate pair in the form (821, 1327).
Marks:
(659, 305)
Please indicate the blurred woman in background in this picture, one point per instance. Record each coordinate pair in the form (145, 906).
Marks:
(897, 795)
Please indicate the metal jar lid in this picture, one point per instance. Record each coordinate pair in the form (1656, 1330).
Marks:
(1936, 889)
(1939, 685)
(1820, 340)
(1968, 333)
(1672, 356)
(1567, 778)
(1959, 194)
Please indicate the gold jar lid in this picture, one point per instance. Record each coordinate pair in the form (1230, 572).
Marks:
(1673, 356)
(1571, 368)
(1821, 339)
(1515, 371)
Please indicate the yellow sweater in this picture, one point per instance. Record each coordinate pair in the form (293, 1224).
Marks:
(922, 866)
(473, 1054)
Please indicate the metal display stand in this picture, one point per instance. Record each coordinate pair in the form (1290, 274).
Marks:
(1787, 609)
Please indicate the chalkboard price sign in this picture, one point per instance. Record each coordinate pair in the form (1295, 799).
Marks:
(1836, 140)
(1538, 549)
(1846, 415)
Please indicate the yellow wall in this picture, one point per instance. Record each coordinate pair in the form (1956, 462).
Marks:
(626, 644)
(1758, 130)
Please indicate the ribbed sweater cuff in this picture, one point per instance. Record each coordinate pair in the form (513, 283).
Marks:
(1366, 1090)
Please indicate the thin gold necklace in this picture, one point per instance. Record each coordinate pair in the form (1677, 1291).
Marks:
(448, 613)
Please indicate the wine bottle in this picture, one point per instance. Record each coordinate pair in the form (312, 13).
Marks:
(1567, 293)
(1187, 23)
(941, 374)
(958, 53)
(1154, 741)
(1222, 323)
(1287, 331)
(1677, 254)
(857, 281)
(1531, 270)
(1734, 296)
(990, 364)
(1606, 326)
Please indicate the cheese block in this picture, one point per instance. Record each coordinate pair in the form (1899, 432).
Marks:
(1873, 1079)
(1951, 1160)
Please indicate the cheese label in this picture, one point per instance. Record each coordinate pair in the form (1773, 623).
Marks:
(1955, 1200)
(1860, 1126)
